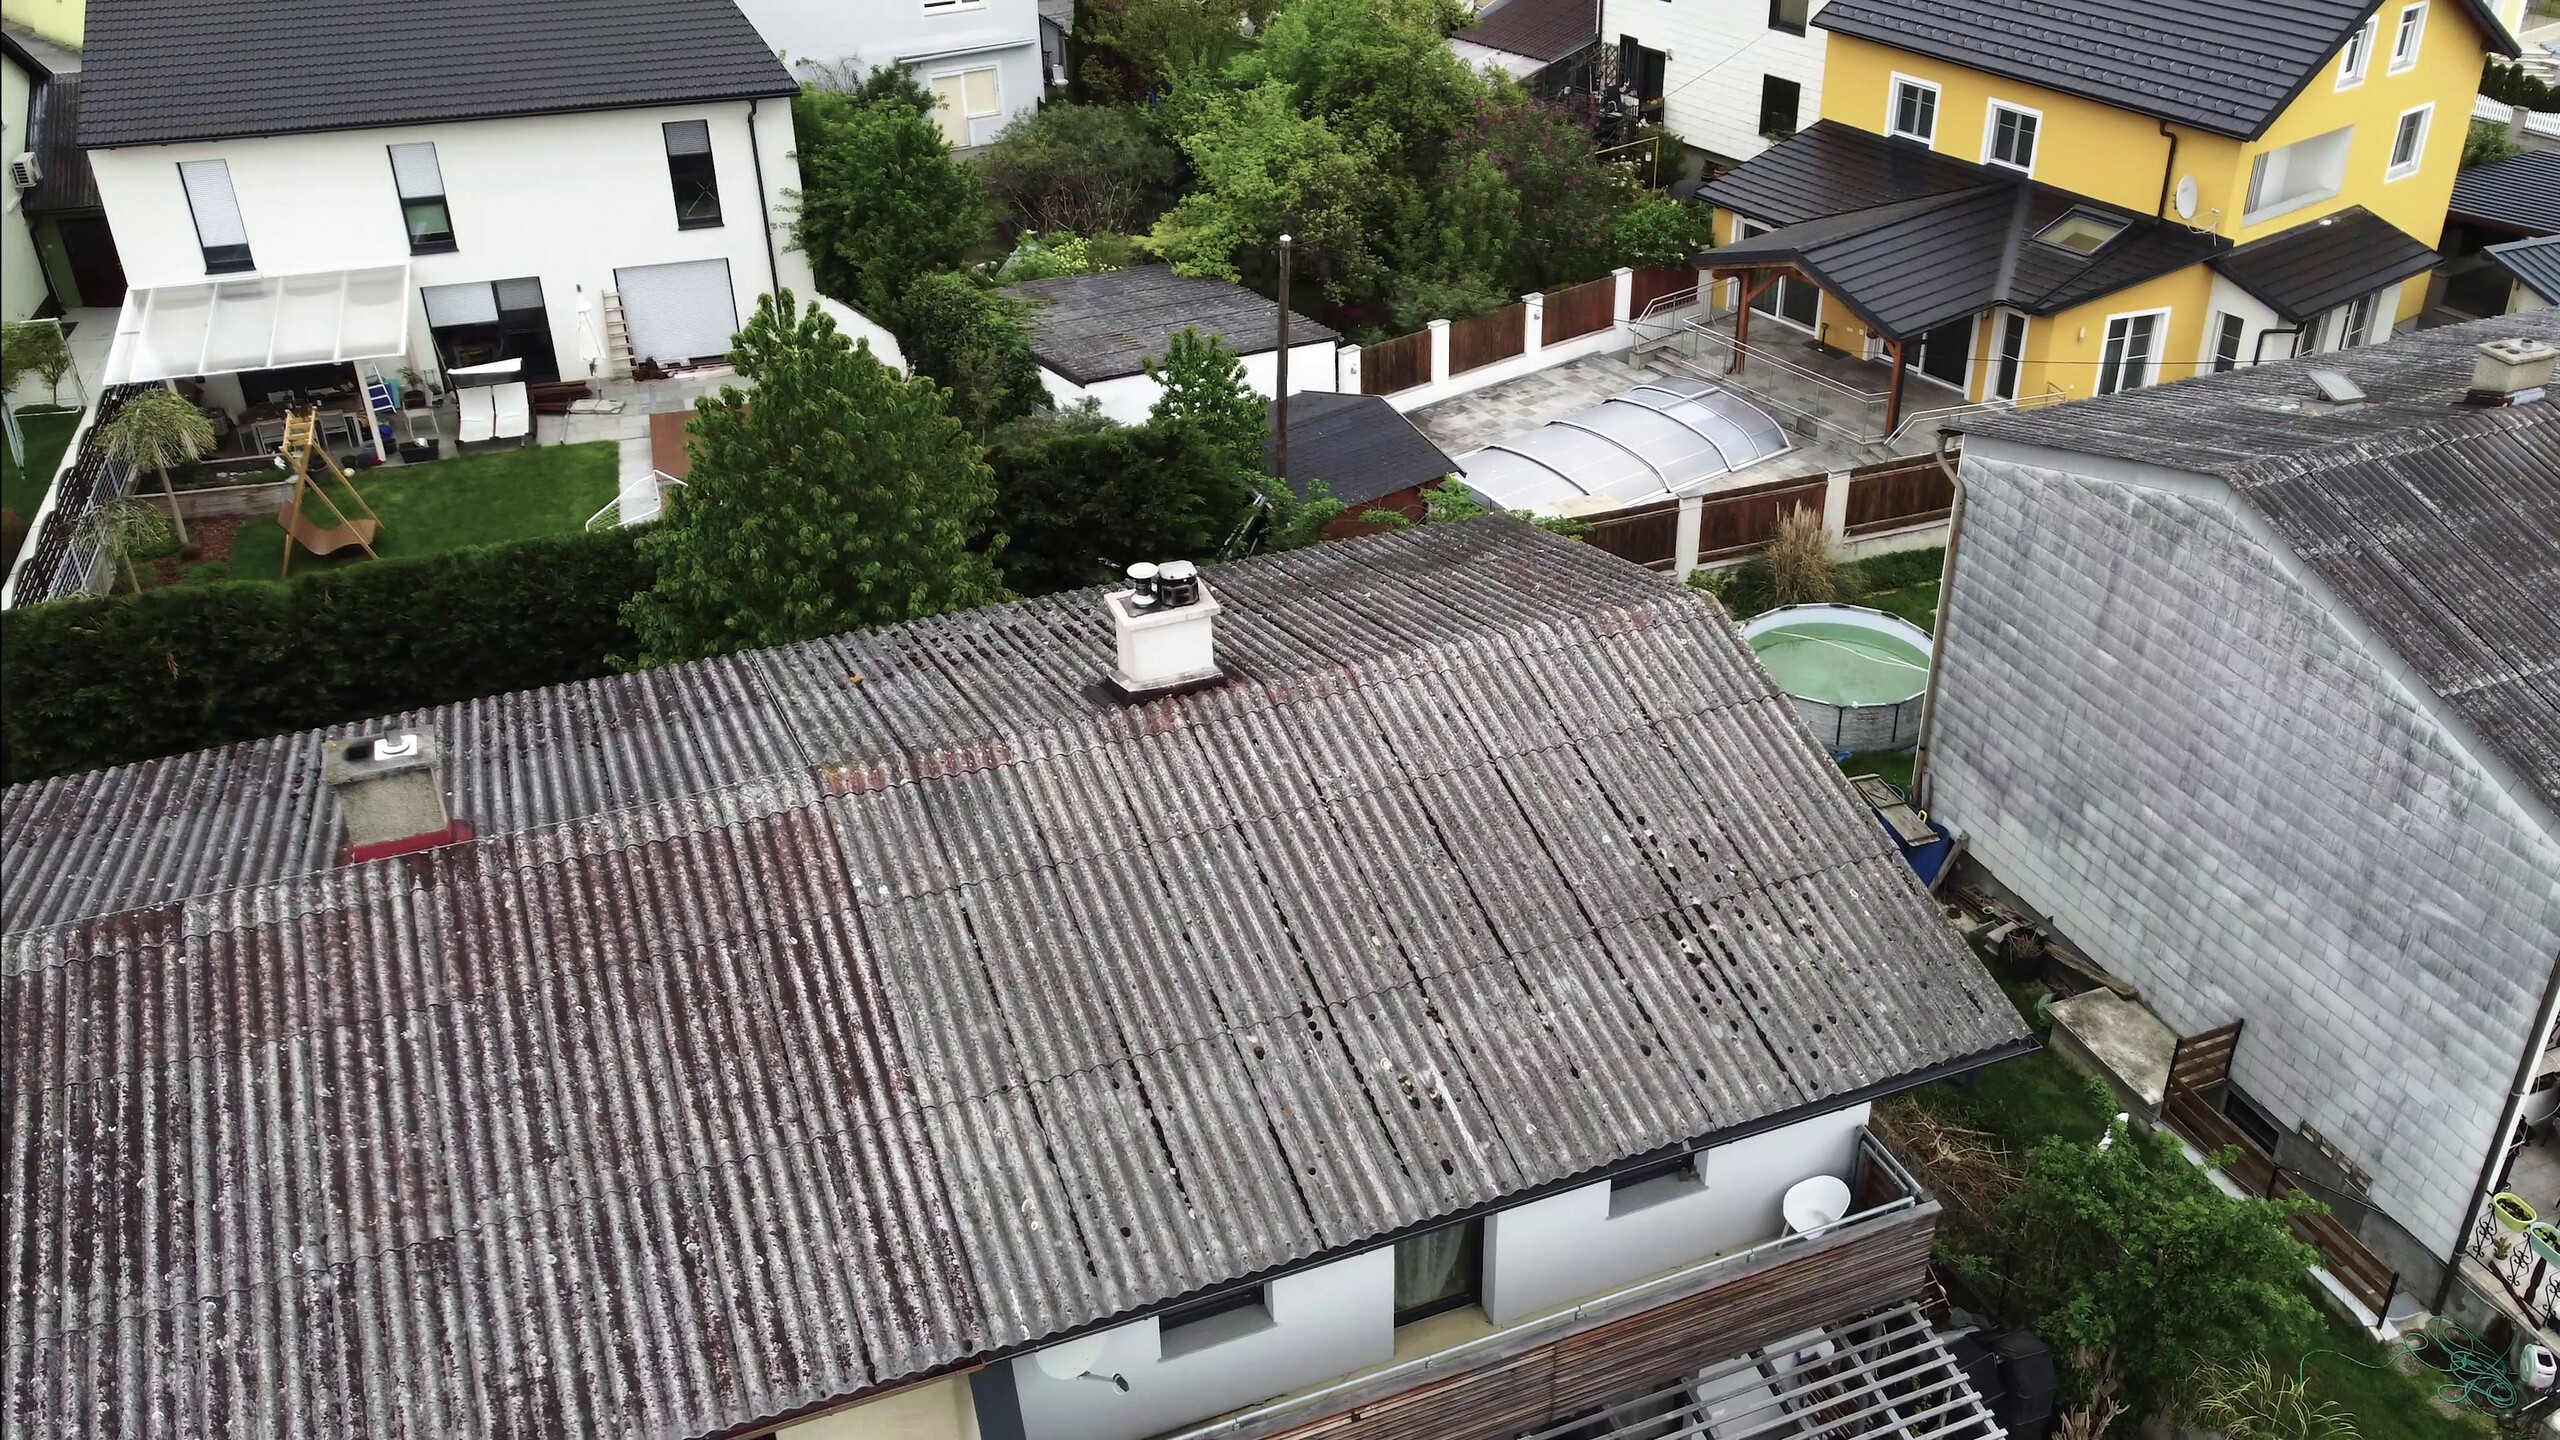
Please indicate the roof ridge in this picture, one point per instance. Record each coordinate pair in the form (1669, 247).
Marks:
(2458, 426)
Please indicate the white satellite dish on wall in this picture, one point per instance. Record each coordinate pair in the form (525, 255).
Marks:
(1070, 1360)
(2185, 199)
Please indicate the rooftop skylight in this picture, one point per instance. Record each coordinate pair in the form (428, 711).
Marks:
(2082, 230)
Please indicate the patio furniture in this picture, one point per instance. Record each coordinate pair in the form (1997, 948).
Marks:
(479, 418)
(514, 417)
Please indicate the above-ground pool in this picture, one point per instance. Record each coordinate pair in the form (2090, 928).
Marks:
(1856, 675)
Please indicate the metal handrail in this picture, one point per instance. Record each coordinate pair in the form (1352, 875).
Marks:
(1560, 1320)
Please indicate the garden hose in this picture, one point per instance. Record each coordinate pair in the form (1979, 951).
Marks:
(2475, 1375)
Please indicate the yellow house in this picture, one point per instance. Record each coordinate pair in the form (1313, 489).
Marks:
(56, 20)
(2019, 200)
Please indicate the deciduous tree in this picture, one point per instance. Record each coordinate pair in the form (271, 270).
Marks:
(157, 429)
(1086, 169)
(1264, 171)
(882, 202)
(833, 496)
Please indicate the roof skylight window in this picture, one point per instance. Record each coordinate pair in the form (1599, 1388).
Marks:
(2082, 231)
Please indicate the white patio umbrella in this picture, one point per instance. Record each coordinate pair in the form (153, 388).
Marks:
(590, 345)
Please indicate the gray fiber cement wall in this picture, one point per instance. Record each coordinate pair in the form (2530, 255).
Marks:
(2155, 733)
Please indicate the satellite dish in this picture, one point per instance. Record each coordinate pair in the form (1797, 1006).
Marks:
(1070, 1360)
(2186, 197)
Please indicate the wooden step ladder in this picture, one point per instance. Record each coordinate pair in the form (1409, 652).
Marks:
(617, 338)
(379, 407)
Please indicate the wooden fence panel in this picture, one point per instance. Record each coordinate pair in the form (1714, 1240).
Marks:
(1736, 523)
(1897, 495)
(1655, 282)
(1581, 309)
(1398, 364)
(1648, 535)
(1487, 338)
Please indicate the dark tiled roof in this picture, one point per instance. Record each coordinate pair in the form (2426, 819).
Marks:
(1101, 327)
(2520, 193)
(54, 136)
(1547, 30)
(2535, 262)
(821, 1016)
(1923, 239)
(2439, 524)
(2222, 67)
(1357, 445)
(168, 70)
(2309, 269)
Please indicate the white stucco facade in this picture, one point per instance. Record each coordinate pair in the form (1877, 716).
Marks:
(1717, 56)
(568, 200)
(1128, 398)
(828, 39)
(22, 286)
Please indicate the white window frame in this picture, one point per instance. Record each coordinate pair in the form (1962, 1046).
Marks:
(2346, 334)
(1893, 108)
(1991, 132)
(2408, 37)
(964, 114)
(2355, 58)
(1993, 355)
(2214, 324)
(2150, 375)
(2394, 169)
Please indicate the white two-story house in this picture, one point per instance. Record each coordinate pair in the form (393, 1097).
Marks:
(1733, 75)
(579, 185)
(981, 58)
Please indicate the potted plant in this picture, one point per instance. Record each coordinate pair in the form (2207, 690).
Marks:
(2513, 1210)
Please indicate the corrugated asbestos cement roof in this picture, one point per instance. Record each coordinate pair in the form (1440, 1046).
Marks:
(2221, 67)
(159, 71)
(2438, 524)
(822, 1016)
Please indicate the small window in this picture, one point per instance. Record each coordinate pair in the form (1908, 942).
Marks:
(1779, 100)
(1789, 15)
(2227, 333)
(2355, 322)
(697, 184)
(2012, 357)
(1214, 1321)
(420, 181)
(2252, 1121)
(1915, 110)
(2406, 40)
(220, 231)
(2358, 56)
(1646, 1186)
(1439, 1271)
(2409, 144)
(2133, 342)
(2011, 140)
(962, 98)
(2081, 231)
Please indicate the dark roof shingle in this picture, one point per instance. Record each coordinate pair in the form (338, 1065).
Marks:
(1101, 327)
(160, 71)
(1357, 445)
(2311, 268)
(2520, 193)
(54, 136)
(2535, 262)
(2221, 67)
(2438, 524)
(818, 1017)
(1544, 30)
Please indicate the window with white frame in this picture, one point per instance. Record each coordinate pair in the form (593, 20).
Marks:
(961, 97)
(220, 231)
(2409, 143)
(2355, 322)
(2406, 40)
(2132, 351)
(2010, 359)
(1914, 112)
(2009, 137)
(2354, 60)
(2227, 331)
(2305, 172)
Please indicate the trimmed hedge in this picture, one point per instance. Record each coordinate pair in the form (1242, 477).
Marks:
(1075, 508)
(101, 681)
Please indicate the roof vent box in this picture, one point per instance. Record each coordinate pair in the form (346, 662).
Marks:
(1165, 626)
(2512, 371)
(391, 786)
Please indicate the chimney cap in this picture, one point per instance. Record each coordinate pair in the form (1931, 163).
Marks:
(2510, 370)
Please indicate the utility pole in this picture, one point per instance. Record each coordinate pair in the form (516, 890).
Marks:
(1281, 440)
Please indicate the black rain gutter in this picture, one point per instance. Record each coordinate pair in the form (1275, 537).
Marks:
(1880, 1090)
(2489, 1164)
(764, 205)
(2168, 169)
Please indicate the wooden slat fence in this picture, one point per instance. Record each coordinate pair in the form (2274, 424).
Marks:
(1580, 309)
(1653, 282)
(1398, 364)
(1486, 338)
(1739, 521)
(1648, 534)
(1897, 495)
(2202, 1061)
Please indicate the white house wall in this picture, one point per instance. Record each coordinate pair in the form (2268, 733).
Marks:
(1325, 1322)
(1719, 112)
(1553, 1251)
(22, 286)
(1128, 398)
(2156, 727)
(819, 39)
(566, 198)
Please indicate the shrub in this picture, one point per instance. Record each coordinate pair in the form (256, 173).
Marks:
(2486, 143)
(1088, 169)
(2255, 1401)
(975, 343)
(103, 681)
(2515, 85)
(1043, 257)
(882, 202)
(1660, 231)
(1076, 508)
(1804, 567)
(34, 347)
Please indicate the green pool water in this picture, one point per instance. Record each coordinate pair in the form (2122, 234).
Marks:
(1842, 664)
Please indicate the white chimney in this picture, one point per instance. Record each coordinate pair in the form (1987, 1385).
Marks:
(1166, 626)
(2512, 371)
(391, 787)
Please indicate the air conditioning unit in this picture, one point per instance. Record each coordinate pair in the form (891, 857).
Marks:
(24, 172)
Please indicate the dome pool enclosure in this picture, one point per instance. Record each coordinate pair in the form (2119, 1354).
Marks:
(1856, 675)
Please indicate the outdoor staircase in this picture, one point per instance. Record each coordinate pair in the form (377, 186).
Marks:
(617, 338)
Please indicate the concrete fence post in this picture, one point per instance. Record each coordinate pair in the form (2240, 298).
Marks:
(1706, 290)
(1622, 301)
(1346, 369)
(1439, 351)
(1684, 545)
(1835, 504)
(1533, 322)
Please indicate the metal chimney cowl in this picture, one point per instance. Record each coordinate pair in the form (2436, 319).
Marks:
(391, 788)
(1165, 626)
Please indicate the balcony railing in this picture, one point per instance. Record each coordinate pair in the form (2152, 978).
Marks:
(1548, 1368)
(2531, 1279)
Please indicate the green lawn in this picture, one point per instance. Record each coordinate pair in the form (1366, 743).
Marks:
(1915, 603)
(449, 505)
(1893, 765)
(22, 487)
